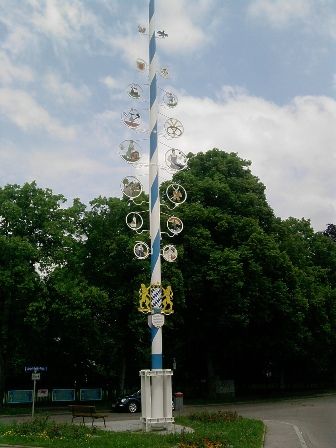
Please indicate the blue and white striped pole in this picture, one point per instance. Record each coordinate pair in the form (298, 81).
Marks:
(155, 234)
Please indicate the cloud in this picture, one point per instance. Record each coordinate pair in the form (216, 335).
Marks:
(23, 110)
(131, 46)
(9, 72)
(63, 23)
(19, 38)
(65, 92)
(182, 23)
(105, 126)
(316, 16)
(291, 147)
(280, 12)
(65, 169)
(111, 83)
(62, 19)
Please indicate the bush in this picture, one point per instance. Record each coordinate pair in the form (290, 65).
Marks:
(205, 443)
(215, 417)
(41, 428)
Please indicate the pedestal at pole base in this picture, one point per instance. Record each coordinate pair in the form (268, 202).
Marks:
(156, 399)
(157, 424)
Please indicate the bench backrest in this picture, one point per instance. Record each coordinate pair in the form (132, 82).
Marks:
(82, 408)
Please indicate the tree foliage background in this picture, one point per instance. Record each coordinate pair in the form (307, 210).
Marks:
(254, 295)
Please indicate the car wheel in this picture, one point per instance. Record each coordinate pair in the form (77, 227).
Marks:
(132, 407)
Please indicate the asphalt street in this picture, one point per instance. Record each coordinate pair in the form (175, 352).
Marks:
(296, 423)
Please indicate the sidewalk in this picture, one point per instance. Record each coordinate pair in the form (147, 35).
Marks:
(283, 435)
(136, 426)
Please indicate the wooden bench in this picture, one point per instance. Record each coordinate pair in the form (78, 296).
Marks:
(79, 410)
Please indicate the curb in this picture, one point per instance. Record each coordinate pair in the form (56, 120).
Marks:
(264, 435)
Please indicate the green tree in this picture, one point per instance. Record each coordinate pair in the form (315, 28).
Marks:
(240, 285)
(111, 265)
(19, 284)
(38, 234)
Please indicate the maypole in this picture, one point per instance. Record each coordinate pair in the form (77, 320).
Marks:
(155, 300)
(155, 233)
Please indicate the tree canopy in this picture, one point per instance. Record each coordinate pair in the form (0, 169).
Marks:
(254, 295)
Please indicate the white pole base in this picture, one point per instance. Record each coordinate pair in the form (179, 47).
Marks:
(156, 399)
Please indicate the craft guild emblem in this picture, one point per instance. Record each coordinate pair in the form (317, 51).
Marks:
(130, 151)
(134, 221)
(141, 250)
(170, 99)
(132, 119)
(176, 194)
(161, 34)
(134, 91)
(169, 253)
(164, 72)
(174, 225)
(141, 65)
(131, 187)
(176, 160)
(174, 128)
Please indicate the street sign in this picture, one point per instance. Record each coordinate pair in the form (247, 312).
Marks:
(36, 376)
(36, 368)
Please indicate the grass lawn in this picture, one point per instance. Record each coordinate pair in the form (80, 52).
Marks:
(212, 430)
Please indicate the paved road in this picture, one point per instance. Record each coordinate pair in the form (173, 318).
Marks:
(297, 423)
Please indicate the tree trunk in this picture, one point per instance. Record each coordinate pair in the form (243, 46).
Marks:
(282, 378)
(211, 377)
(2, 379)
(122, 375)
(6, 299)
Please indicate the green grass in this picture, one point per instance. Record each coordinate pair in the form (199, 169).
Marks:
(212, 430)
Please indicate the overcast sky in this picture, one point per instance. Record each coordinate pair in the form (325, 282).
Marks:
(255, 77)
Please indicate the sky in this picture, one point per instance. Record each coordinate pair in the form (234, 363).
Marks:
(254, 77)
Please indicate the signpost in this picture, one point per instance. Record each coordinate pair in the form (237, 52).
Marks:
(36, 376)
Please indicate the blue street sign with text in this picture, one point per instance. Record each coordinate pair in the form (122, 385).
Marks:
(36, 369)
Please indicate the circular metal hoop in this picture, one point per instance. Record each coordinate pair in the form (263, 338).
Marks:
(169, 253)
(176, 160)
(134, 91)
(176, 194)
(141, 65)
(130, 151)
(170, 99)
(141, 250)
(174, 127)
(134, 220)
(131, 187)
(174, 225)
(132, 118)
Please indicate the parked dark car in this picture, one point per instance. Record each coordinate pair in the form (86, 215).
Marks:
(131, 403)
